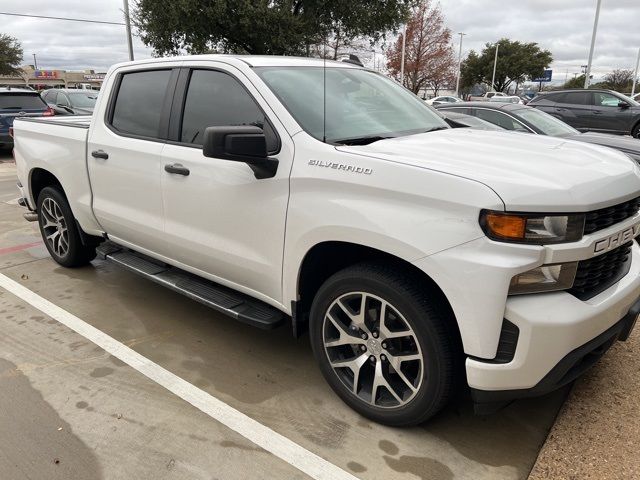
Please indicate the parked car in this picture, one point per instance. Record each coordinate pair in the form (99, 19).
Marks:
(506, 99)
(442, 99)
(326, 196)
(593, 110)
(532, 120)
(486, 96)
(70, 101)
(461, 120)
(15, 103)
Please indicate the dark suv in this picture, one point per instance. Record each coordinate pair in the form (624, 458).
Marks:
(596, 110)
(18, 102)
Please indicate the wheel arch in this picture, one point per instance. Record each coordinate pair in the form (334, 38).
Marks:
(40, 178)
(328, 257)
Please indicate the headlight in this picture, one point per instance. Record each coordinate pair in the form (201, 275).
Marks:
(546, 278)
(532, 228)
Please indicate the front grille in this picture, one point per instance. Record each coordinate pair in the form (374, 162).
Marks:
(605, 217)
(599, 273)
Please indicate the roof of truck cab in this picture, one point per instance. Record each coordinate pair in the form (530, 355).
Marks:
(250, 60)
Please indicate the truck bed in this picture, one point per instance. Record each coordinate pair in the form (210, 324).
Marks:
(57, 145)
(80, 121)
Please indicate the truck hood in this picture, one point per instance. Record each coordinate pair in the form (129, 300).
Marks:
(529, 172)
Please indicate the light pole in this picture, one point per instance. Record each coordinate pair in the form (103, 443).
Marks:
(495, 63)
(635, 74)
(35, 62)
(404, 41)
(459, 63)
(127, 21)
(593, 43)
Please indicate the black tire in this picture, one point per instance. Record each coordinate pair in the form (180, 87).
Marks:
(635, 133)
(76, 254)
(428, 318)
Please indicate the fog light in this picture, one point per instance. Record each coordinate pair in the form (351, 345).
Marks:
(547, 278)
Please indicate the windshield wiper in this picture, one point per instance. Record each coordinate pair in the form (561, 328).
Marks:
(360, 140)
(435, 129)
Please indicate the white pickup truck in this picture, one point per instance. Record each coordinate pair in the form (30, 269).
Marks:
(328, 197)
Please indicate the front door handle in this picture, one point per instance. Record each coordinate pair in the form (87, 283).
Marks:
(597, 112)
(100, 154)
(176, 168)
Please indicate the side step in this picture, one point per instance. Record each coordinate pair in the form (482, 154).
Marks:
(225, 300)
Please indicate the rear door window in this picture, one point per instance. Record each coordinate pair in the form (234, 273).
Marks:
(138, 106)
(217, 99)
(576, 98)
(21, 101)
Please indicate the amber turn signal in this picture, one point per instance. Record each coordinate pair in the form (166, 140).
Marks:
(510, 227)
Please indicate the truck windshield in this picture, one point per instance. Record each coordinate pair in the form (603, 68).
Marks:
(361, 106)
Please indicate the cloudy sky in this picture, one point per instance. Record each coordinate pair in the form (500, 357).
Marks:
(562, 26)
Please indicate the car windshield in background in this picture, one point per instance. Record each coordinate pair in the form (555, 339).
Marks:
(21, 101)
(546, 123)
(83, 100)
(361, 106)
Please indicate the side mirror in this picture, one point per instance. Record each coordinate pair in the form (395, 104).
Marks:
(246, 144)
(623, 105)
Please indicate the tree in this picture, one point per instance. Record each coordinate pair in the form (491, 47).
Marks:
(429, 58)
(284, 27)
(576, 82)
(517, 62)
(10, 55)
(619, 80)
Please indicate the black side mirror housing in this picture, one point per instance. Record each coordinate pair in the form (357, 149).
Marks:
(242, 143)
(623, 105)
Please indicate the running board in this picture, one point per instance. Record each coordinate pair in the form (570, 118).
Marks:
(225, 300)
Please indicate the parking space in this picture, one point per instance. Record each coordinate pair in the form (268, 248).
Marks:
(75, 411)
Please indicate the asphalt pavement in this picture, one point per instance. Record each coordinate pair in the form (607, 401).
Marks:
(72, 410)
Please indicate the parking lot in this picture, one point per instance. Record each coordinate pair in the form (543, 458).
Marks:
(73, 410)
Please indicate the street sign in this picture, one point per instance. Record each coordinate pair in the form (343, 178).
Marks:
(546, 77)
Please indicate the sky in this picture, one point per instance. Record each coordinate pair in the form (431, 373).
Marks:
(562, 26)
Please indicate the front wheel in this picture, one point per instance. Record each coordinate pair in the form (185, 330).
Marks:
(635, 133)
(383, 344)
(59, 231)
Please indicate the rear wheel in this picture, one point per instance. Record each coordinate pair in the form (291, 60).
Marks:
(59, 230)
(383, 344)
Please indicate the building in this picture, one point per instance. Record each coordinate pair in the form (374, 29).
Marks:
(42, 79)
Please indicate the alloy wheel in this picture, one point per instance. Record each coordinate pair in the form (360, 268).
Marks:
(55, 228)
(373, 350)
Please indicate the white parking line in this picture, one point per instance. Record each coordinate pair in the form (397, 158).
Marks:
(271, 441)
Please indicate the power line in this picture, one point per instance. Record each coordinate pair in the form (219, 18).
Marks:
(61, 18)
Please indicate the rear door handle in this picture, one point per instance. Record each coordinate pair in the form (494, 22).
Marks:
(597, 112)
(100, 154)
(176, 168)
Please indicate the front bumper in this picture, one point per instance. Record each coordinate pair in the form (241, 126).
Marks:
(566, 370)
(551, 325)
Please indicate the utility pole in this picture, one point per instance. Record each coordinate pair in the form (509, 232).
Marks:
(35, 62)
(635, 74)
(127, 21)
(495, 63)
(593, 43)
(459, 63)
(404, 41)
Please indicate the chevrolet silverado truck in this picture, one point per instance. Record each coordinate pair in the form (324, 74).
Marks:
(325, 196)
